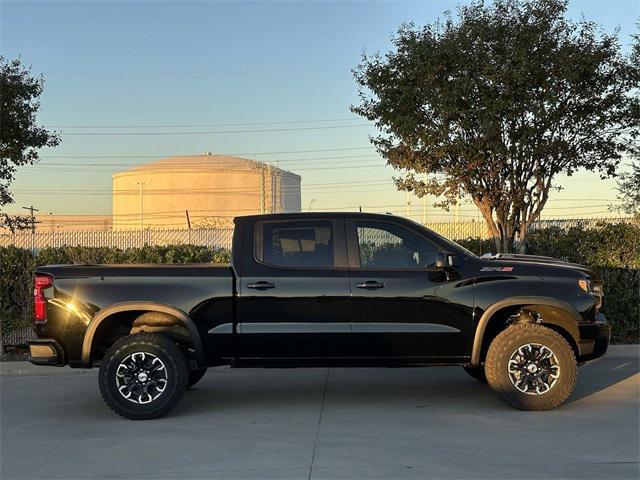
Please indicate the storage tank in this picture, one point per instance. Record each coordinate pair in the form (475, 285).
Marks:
(203, 190)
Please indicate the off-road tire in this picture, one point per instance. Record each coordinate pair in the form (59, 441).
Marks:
(476, 372)
(195, 376)
(163, 348)
(509, 340)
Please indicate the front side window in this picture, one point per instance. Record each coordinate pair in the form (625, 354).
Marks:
(392, 246)
(296, 244)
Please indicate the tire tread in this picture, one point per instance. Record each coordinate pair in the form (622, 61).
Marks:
(502, 347)
(158, 341)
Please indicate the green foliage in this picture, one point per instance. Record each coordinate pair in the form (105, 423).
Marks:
(499, 101)
(607, 246)
(20, 137)
(629, 189)
(622, 302)
(613, 250)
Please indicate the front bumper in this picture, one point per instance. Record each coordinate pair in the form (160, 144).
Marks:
(45, 351)
(594, 338)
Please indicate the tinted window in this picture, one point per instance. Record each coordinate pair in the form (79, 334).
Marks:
(391, 246)
(297, 244)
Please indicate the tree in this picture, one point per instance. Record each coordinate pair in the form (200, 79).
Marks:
(629, 190)
(497, 104)
(20, 137)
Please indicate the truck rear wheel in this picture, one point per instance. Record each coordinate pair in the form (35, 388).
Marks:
(531, 367)
(143, 376)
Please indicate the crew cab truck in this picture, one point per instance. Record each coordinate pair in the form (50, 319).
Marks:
(323, 289)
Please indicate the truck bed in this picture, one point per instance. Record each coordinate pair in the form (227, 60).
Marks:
(150, 269)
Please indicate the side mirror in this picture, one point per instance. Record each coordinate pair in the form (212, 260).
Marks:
(445, 260)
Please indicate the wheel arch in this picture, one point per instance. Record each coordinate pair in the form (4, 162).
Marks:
(112, 311)
(556, 314)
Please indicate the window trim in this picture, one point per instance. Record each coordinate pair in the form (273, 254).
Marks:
(353, 246)
(339, 247)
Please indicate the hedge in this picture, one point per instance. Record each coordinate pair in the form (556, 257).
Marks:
(613, 250)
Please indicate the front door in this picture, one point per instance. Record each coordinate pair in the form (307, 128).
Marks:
(404, 307)
(294, 294)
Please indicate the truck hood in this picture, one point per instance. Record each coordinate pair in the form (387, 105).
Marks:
(542, 266)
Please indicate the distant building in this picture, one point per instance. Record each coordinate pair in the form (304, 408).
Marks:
(209, 189)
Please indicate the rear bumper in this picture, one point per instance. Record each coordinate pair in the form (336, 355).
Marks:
(45, 351)
(594, 338)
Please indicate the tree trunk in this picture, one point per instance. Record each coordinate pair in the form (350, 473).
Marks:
(494, 233)
(521, 246)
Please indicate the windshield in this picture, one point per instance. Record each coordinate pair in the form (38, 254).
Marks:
(454, 246)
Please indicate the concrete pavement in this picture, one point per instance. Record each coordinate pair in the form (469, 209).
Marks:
(319, 423)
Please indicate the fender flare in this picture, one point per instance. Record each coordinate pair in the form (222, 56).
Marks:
(570, 326)
(103, 314)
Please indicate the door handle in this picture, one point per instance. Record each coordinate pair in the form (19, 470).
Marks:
(261, 285)
(370, 285)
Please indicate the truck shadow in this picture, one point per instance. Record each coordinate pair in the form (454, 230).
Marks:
(430, 388)
(601, 374)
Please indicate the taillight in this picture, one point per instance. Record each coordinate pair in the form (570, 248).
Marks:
(42, 282)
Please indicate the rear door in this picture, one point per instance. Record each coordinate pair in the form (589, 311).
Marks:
(294, 293)
(405, 309)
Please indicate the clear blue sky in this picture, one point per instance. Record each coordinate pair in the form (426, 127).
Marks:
(144, 63)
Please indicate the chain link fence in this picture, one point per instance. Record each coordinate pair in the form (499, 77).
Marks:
(221, 237)
(209, 237)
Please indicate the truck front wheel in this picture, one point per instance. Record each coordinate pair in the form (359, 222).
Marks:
(143, 376)
(531, 367)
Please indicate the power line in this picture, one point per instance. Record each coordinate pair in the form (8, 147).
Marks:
(280, 152)
(345, 70)
(204, 125)
(210, 162)
(362, 183)
(266, 130)
(196, 170)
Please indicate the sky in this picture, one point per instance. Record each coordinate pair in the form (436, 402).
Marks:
(271, 79)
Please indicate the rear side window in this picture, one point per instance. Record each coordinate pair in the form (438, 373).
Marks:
(306, 244)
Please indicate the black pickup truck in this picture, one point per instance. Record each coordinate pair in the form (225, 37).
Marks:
(323, 289)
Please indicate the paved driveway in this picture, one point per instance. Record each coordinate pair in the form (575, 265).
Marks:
(319, 423)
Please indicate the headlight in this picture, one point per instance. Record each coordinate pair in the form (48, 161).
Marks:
(584, 285)
(593, 289)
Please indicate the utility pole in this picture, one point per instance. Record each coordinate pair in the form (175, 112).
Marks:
(33, 226)
(141, 184)
(33, 218)
(186, 212)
